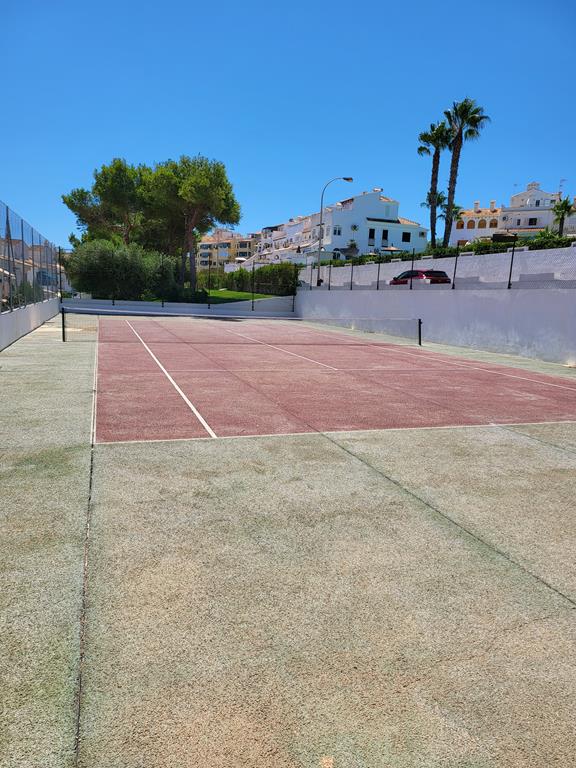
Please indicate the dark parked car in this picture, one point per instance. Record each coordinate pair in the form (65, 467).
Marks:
(433, 276)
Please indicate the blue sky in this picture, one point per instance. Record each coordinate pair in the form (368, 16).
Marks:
(287, 95)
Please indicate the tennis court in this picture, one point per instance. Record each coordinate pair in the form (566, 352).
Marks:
(371, 564)
(165, 378)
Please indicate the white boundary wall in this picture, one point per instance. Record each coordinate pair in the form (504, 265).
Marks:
(279, 305)
(19, 322)
(538, 322)
(491, 269)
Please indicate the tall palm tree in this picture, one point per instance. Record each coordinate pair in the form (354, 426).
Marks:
(465, 121)
(562, 210)
(432, 142)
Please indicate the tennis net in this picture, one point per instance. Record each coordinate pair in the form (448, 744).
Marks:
(117, 326)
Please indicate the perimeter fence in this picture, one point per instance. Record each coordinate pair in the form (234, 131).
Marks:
(28, 263)
(510, 269)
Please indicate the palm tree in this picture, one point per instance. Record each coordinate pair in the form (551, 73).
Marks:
(456, 211)
(432, 142)
(562, 210)
(465, 121)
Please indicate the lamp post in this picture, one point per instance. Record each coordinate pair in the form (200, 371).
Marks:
(321, 233)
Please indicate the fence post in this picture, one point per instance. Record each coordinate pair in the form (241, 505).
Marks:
(252, 285)
(310, 275)
(8, 238)
(34, 295)
(296, 276)
(455, 267)
(60, 273)
(23, 295)
(512, 262)
(412, 267)
(419, 332)
(63, 324)
(378, 277)
(352, 274)
(330, 276)
(210, 275)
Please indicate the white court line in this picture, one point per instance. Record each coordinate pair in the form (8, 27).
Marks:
(425, 354)
(479, 368)
(490, 425)
(190, 405)
(272, 346)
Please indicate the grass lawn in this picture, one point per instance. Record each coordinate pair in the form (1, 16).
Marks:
(220, 296)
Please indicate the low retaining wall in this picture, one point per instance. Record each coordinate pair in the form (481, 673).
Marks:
(279, 305)
(538, 268)
(536, 323)
(19, 322)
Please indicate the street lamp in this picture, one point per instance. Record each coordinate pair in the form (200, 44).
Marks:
(321, 234)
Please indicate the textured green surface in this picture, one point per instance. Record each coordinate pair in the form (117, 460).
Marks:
(45, 397)
(375, 599)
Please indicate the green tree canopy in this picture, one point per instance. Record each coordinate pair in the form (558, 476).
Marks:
(112, 208)
(193, 192)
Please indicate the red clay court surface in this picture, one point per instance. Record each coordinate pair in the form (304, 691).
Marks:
(182, 379)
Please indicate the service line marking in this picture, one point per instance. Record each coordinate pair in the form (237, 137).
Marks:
(286, 351)
(188, 402)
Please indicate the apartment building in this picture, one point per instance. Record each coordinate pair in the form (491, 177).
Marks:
(365, 223)
(529, 212)
(224, 246)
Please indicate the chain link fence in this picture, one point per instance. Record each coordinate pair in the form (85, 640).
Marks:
(28, 263)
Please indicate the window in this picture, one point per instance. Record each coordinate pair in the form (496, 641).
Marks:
(532, 222)
(493, 223)
(460, 224)
(482, 224)
(384, 235)
(371, 236)
(337, 231)
(537, 203)
(471, 224)
(422, 233)
(406, 237)
(518, 222)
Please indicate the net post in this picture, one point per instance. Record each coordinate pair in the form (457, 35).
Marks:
(419, 331)
(63, 321)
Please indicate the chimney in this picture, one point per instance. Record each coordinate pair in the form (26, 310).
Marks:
(492, 205)
(476, 206)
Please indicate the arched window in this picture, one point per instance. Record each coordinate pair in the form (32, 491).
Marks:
(482, 224)
(471, 224)
(493, 223)
(460, 224)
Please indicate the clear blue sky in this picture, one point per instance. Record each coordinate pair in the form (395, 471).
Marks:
(287, 95)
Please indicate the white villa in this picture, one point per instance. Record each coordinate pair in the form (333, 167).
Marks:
(365, 223)
(529, 212)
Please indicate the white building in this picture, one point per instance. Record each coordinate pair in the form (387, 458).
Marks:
(366, 223)
(529, 212)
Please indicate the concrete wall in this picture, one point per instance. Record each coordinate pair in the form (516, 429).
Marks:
(279, 305)
(535, 323)
(491, 269)
(21, 321)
